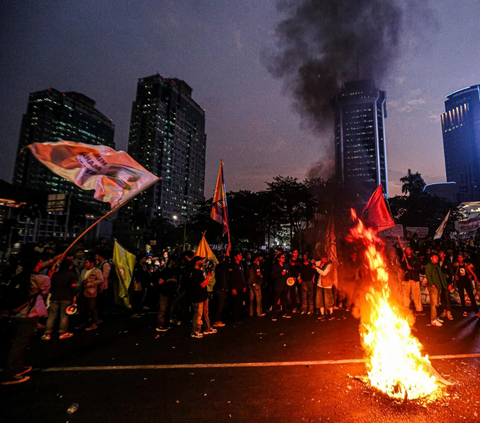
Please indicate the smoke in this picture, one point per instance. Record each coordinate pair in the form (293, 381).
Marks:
(322, 169)
(324, 43)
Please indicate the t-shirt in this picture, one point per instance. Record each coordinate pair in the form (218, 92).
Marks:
(63, 285)
(170, 284)
(307, 273)
(198, 293)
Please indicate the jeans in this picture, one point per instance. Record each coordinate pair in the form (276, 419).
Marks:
(466, 285)
(200, 315)
(324, 298)
(219, 297)
(255, 294)
(307, 296)
(434, 301)
(55, 306)
(412, 288)
(23, 331)
(165, 307)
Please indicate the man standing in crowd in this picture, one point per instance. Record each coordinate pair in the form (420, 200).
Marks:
(220, 290)
(199, 297)
(464, 275)
(105, 268)
(447, 270)
(90, 278)
(255, 281)
(64, 283)
(306, 280)
(238, 286)
(324, 300)
(25, 319)
(436, 285)
(280, 274)
(295, 264)
(411, 265)
(167, 280)
(140, 282)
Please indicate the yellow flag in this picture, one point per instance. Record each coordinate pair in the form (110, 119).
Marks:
(204, 250)
(124, 262)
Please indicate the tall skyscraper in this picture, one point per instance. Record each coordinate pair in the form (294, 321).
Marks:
(167, 136)
(53, 116)
(360, 148)
(461, 141)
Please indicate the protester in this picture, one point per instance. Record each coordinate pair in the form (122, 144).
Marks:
(199, 296)
(25, 319)
(280, 274)
(464, 275)
(307, 281)
(237, 285)
(436, 284)
(63, 289)
(254, 282)
(324, 294)
(411, 281)
(167, 280)
(220, 290)
(90, 279)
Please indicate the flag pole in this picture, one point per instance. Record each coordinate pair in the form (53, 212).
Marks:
(93, 225)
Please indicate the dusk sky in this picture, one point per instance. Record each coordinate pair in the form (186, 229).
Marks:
(101, 47)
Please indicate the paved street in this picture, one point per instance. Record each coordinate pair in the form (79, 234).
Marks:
(259, 371)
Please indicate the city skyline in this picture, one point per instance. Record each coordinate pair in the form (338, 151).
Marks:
(218, 49)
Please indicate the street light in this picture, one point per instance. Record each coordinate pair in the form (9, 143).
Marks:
(175, 217)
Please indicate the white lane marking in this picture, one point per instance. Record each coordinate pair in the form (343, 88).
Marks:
(236, 365)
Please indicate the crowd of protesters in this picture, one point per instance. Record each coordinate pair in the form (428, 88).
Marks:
(78, 288)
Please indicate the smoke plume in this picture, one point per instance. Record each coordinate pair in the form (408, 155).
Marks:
(324, 43)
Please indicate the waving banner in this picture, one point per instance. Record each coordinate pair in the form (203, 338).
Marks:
(114, 175)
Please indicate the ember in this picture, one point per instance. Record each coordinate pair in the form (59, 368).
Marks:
(395, 364)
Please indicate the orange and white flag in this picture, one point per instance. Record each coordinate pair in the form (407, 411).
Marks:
(219, 211)
(114, 175)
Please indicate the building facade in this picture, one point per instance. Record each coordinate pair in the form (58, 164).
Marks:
(53, 116)
(461, 141)
(167, 137)
(360, 145)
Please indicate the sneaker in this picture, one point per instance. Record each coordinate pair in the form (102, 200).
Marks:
(449, 316)
(197, 335)
(286, 316)
(440, 320)
(347, 308)
(261, 315)
(46, 337)
(99, 321)
(218, 325)
(26, 369)
(40, 326)
(321, 317)
(145, 308)
(175, 322)
(79, 326)
(161, 329)
(135, 316)
(16, 379)
(209, 332)
(331, 318)
(294, 310)
(303, 312)
(274, 319)
(465, 314)
(92, 327)
(65, 335)
(443, 315)
(309, 313)
(436, 323)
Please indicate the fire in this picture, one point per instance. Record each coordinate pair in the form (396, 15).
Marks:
(395, 364)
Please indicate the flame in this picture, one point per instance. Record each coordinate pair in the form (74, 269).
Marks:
(395, 364)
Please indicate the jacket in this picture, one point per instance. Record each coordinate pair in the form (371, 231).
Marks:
(435, 276)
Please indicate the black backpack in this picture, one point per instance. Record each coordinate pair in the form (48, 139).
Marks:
(16, 295)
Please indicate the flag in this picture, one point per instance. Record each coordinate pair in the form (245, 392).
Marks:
(204, 250)
(439, 231)
(331, 248)
(219, 211)
(114, 175)
(124, 262)
(375, 212)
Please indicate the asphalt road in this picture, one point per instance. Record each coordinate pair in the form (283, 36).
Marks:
(297, 370)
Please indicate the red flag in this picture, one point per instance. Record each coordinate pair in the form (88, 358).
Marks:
(375, 213)
(219, 204)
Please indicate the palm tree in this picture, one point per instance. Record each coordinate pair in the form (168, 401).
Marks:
(413, 183)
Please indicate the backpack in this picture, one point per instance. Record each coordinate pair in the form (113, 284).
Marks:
(15, 295)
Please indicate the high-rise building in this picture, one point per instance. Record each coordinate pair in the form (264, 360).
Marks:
(360, 148)
(461, 141)
(54, 116)
(167, 137)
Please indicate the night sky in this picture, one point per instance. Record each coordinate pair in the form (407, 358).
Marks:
(101, 48)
